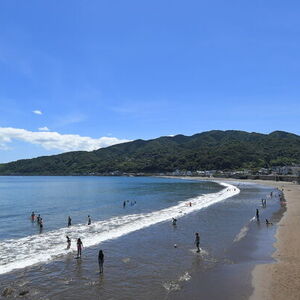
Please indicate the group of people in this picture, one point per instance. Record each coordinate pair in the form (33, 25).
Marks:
(264, 205)
(132, 203)
(38, 219)
(197, 237)
(79, 250)
(89, 222)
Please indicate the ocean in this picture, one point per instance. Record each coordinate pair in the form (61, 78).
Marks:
(141, 261)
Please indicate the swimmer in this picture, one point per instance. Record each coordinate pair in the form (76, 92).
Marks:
(69, 221)
(38, 218)
(124, 204)
(32, 216)
(89, 220)
(174, 221)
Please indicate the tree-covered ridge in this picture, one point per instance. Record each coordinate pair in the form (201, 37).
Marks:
(218, 150)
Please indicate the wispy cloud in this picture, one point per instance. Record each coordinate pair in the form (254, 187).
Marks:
(44, 128)
(37, 112)
(55, 140)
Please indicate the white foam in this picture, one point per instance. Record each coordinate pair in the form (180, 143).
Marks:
(243, 232)
(30, 250)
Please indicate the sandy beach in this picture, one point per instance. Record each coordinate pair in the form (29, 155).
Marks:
(281, 279)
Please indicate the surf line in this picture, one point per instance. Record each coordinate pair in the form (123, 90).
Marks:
(35, 249)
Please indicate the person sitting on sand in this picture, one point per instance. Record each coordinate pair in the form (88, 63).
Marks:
(79, 247)
(197, 241)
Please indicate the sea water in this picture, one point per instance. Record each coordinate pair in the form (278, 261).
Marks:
(138, 239)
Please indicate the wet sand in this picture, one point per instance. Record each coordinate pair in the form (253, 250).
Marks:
(280, 280)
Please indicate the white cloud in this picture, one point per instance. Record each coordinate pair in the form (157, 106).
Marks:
(44, 128)
(55, 140)
(37, 112)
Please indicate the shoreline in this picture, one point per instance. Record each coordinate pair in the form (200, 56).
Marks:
(280, 279)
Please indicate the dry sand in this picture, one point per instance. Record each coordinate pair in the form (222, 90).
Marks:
(280, 280)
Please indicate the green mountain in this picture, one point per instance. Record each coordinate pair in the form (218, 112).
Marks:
(218, 150)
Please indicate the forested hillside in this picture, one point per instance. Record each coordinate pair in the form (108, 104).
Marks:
(219, 150)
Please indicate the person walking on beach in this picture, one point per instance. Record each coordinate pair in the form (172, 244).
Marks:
(69, 221)
(32, 216)
(197, 241)
(89, 220)
(100, 260)
(257, 214)
(79, 247)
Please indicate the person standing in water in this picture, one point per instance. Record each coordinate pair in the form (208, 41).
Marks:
(38, 219)
(32, 216)
(89, 220)
(197, 241)
(257, 214)
(174, 221)
(68, 242)
(79, 247)
(69, 221)
(101, 260)
(124, 204)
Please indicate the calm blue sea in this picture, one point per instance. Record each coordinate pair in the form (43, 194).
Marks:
(138, 241)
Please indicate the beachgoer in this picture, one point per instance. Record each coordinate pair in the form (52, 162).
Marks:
(89, 220)
(101, 260)
(79, 247)
(268, 222)
(257, 214)
(32, 216)
(174, 221)
(69, 221)
(68, 242)
(197, 241)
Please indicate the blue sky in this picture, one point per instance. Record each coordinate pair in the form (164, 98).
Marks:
(102, 72)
